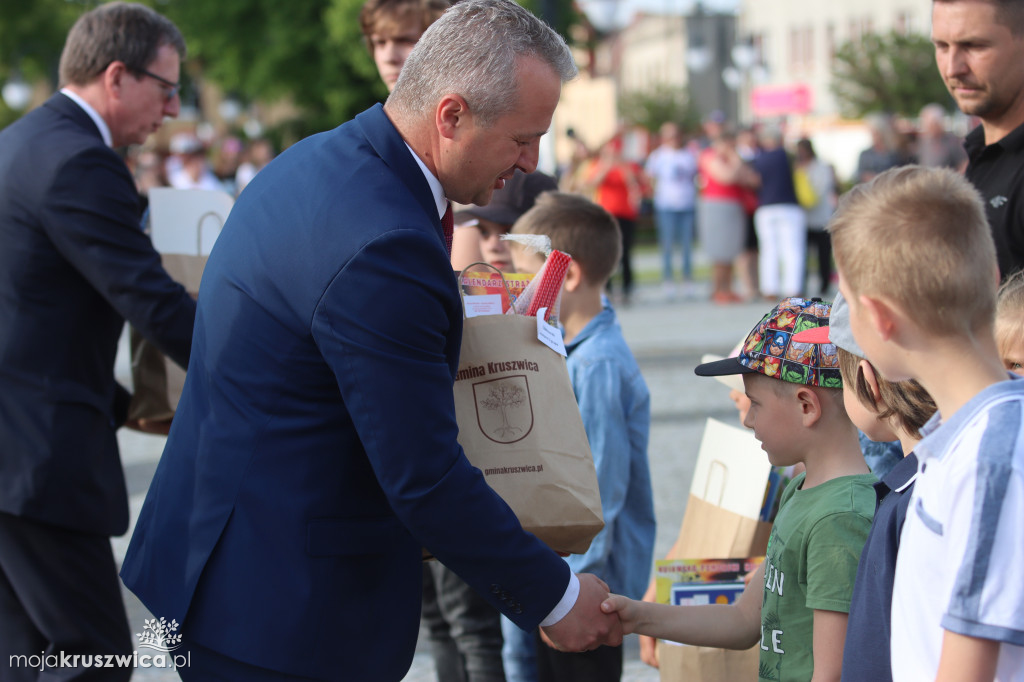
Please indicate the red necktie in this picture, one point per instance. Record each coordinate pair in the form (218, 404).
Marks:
(448, 224)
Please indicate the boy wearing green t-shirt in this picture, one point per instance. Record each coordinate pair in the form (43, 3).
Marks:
(797, 602)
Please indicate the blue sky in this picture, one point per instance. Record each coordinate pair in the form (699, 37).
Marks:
(604, 13)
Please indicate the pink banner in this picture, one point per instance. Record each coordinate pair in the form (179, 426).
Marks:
(775, 100)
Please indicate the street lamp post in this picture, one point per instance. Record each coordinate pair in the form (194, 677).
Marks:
(17, 93)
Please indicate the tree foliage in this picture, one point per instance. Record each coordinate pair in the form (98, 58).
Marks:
(310, 53)
(650, 109)
(890, 73)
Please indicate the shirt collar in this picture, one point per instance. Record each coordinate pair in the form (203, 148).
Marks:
(974, 143)
(435, 184)
(601, 320)
(93, 114)
(936, 441)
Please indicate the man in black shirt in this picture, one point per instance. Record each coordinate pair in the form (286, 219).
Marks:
(979, 50)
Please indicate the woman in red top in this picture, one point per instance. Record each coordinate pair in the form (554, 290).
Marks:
(619, 186)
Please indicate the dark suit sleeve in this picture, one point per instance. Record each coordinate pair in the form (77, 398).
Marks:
(90, 213)
(383, 325)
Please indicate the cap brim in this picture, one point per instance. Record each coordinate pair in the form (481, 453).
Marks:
(813, 335)
(731, 381)
(721, 368)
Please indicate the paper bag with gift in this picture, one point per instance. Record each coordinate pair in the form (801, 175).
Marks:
(184, 225)
(520, 425)
(721, 520)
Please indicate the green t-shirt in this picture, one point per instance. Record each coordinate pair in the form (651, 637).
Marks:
(811, 563)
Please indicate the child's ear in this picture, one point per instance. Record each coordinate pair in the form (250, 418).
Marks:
(573, 276)
(871, 379)
(880, 315)
(809, 405)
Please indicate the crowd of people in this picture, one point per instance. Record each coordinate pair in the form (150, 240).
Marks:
(285, 525)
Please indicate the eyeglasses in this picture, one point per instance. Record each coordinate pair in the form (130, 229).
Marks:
(172, 88)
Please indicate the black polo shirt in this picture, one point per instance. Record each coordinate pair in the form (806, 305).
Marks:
(997, 171)
(866, 653)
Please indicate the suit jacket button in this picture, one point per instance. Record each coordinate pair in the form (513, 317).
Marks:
(495, 589)
(517, 610)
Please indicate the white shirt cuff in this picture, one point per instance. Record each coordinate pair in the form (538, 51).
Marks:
(563, 607)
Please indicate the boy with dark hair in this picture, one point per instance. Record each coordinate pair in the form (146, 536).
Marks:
(918, 268)
(796, 604)
(616, 409)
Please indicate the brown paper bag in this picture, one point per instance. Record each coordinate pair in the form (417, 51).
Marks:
(520, 425)
(708, 530)
(157, 380)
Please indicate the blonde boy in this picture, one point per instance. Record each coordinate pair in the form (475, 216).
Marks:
(795, 605)
(917, 266)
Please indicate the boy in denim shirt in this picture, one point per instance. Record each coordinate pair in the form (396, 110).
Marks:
(615, 404)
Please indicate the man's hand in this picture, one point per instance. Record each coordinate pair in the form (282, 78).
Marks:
(585, 627)
(159, 427)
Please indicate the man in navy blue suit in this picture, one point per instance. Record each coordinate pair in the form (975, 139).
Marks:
(314, 450)
(74, 265)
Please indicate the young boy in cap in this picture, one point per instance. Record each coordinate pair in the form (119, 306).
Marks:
(485, 225)
(795, 605)
(918, 269)
(884, 411)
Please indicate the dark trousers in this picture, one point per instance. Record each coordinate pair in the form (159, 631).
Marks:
(603, 664)
(628, 229)
(821, 242)
(59, 594)
(464, 629)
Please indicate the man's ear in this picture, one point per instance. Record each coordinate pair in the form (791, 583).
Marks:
(452, 113)
(573, 276)
(809, 405)
(871, 379)
(113, 78)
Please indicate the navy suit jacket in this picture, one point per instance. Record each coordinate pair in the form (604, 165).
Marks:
(74, 264)
(314, 450)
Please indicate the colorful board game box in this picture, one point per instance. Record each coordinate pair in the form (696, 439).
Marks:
(701, 581)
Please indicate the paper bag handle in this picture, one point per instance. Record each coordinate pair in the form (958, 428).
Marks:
(199, 229)
(721, 489)
(469, 268)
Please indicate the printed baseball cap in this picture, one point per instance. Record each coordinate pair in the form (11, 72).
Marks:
(511, 201)
(771, 349)
(838, 331)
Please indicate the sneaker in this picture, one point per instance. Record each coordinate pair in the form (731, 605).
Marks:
(668, 290)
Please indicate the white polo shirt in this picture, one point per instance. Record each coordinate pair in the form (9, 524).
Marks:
(961, 558)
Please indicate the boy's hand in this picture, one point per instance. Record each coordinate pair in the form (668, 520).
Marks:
(627, 609)
(649, 645)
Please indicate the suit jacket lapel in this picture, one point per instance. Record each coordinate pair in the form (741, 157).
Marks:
(385, 139)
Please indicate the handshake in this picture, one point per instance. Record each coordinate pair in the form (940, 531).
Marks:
(586, 626)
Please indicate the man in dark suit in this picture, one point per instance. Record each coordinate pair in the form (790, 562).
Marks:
(74, 265)
(314, 450)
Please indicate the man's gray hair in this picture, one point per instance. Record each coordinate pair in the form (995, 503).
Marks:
(116, 31)
(473, 51)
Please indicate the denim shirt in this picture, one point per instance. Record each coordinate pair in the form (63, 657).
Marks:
(616, 409)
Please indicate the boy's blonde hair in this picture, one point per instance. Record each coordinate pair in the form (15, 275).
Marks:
(578, 227)
(1010, 313)
(906, 401)
(919, 237)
